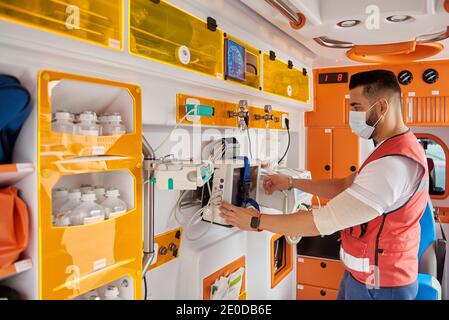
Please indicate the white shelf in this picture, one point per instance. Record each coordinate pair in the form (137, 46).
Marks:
(16, 268)
(12, 173)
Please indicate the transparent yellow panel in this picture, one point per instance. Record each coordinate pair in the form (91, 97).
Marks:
(95, 21)
(75, 93)
(253, 69)
(77, 259)
(279, 79)
(167, 34)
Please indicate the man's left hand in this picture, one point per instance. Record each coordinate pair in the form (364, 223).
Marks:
(238, 217)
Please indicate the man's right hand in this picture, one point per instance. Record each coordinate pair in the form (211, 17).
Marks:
(275, 182)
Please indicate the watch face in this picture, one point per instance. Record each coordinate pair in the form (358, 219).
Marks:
(255, 221)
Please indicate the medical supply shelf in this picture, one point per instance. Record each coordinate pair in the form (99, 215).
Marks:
(15, 269)
(74, 93)
(12, 173)
(77, 259)
(163, 33)
(99, 22)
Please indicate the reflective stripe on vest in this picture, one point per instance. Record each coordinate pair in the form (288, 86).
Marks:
(353, 263)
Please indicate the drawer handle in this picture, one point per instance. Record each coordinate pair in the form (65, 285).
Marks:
(323, 293)
(323, 265)
(353, 168)
(327, 168)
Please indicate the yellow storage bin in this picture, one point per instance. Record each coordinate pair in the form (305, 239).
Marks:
(77, 259)
(75, 94)
(167, 34)
(280, 80)
(96, 21)
(252, 64)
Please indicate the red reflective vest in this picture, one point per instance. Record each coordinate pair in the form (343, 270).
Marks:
(384, 252)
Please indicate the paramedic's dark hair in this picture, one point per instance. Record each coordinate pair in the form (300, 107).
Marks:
(377, 83)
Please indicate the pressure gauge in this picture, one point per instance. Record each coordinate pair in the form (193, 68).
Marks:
(235, 60)
(430, 76)
(405, 77)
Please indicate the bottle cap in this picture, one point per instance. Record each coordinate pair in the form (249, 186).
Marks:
(89, 197)
(87, 116)
(104, 117)
(85, 188)
(60, 193)
(62, 221)
(112, 192)
(111, 292)
(63, 115)
(74, 194)
(115, 117)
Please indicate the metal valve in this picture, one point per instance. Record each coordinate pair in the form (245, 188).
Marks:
(242, 114)
(267, 117)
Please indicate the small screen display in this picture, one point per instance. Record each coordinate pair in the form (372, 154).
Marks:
(341, 77)
(237, 196)
(235, 61)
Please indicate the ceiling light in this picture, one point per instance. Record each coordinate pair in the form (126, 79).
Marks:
(440, 36)
(332, 43)
(348, 23)
(399, 18)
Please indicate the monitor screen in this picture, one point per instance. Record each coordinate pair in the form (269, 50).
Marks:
(235, 61)
(237, 197)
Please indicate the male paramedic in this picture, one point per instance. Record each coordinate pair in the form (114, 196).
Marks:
(377, 209)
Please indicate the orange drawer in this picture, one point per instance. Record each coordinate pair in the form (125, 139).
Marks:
(305, 292)
(319, 272)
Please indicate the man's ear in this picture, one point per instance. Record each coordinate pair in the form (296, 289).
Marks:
(384, 106)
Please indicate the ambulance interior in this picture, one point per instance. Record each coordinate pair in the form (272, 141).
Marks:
(144, 115)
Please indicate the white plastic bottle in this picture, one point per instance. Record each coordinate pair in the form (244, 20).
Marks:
(113, 206)
(114, 125)
(59, 197)
(74, 200)
(103, 120)
(112, 293)
(87, 125)
(87, 212)
(100, 193)
(62, 122)
(86, 188)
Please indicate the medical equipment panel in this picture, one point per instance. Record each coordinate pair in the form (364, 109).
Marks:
(93, 21)
(227, 185)
(183, 174)
(284, 79)
(162, 32)
(244, 58)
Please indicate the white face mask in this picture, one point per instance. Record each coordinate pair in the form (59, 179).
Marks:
(357, 122)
